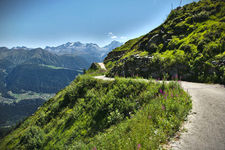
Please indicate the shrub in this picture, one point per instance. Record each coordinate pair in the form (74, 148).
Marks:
(33, 138)
(174, 43)
(153, 47)
(202, 16)
(211, 50)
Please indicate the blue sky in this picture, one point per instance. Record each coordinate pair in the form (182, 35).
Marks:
(38, 23)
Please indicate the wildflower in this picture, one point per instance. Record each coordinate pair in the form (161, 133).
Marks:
(176, 76)
(171, 94)
(139, 146)
(166, 97)
(160, 90)
(149, 117)
(163, 107)
(94, 148)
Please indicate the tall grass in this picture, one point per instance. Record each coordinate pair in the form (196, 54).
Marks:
(97, 114)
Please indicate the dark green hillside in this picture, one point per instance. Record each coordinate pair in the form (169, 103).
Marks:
(74, 62)
(16, 111)
(190, 44)
(39, 78)
(104, 114)
(25, 70)
(40, 56)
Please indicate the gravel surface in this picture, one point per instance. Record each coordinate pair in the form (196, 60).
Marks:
(206, 124)
(102, 66)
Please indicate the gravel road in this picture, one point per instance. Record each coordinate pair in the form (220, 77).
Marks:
(206, 123)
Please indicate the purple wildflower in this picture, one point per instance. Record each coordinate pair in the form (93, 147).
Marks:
(166, 97)
(94, 148)
(160, 90)
(139, 146)
(163, 107)
(171, 94)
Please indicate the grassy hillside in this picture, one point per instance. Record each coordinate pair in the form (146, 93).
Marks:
(89, 113)
(190, 44)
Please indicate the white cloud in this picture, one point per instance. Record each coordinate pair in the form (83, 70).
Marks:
(112, 36)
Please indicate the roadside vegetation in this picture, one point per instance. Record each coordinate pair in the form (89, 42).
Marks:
(97, 114)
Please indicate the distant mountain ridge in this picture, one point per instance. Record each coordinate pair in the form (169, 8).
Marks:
(72, 58)
(88, 49)
(78, 47)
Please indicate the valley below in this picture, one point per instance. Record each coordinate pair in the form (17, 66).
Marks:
(30, 77)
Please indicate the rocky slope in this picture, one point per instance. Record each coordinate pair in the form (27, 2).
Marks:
(190, 44)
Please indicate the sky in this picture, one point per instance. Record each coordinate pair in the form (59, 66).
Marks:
(40, 23)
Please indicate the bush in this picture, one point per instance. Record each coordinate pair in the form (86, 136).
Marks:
(202, 16)
(174, 43)
(33, 138)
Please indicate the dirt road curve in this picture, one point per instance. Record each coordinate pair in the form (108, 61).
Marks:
(206, 123)
(102, 66)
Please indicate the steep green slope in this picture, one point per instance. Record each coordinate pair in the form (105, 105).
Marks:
(91, 113)
(190, 44)
(39, 78)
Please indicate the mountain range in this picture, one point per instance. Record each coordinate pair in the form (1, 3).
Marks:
(89, 51)
(72, 58)
(27, 74)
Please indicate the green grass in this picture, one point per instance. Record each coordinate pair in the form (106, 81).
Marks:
(187, 44)
(93, 113)
(52, 67)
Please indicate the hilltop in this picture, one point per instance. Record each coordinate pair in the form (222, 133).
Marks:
(190, 44)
